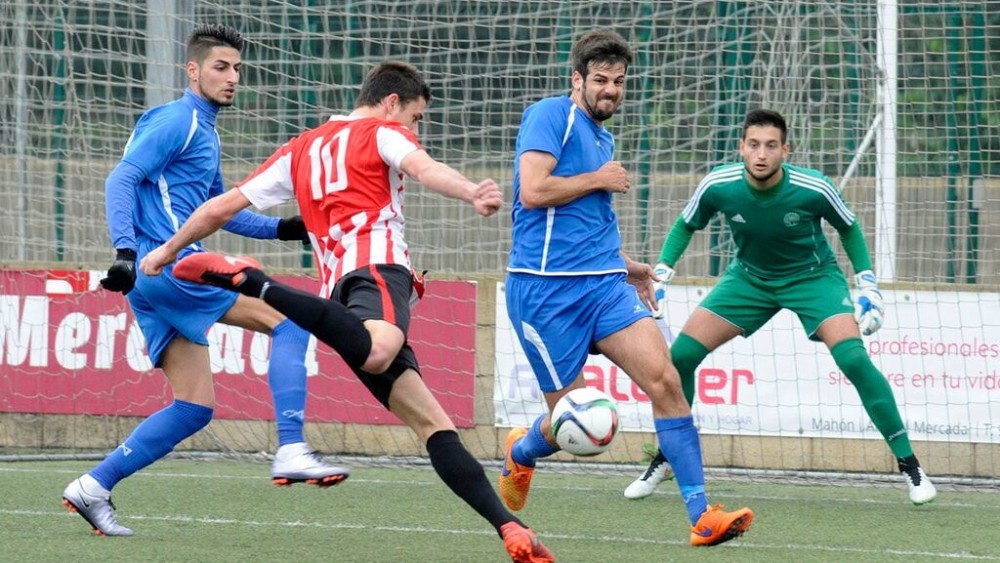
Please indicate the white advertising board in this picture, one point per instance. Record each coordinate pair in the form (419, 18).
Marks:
(939, 351)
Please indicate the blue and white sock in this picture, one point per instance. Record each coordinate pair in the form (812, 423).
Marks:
(154, 438)
(533, 445)
(679, 442)
(286, 376)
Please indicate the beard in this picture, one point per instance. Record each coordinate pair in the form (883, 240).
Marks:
(600, 115)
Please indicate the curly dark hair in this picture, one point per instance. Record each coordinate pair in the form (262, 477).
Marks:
(602, 46)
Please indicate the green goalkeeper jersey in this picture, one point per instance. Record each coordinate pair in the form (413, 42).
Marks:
(778, 233)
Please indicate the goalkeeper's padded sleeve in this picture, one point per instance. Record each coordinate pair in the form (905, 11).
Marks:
(676, 243)
(856, 248)
(119, 202)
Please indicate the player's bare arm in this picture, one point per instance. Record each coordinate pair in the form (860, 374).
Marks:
(207, 219)
(642, 277)
(539, 188)
(445, 180)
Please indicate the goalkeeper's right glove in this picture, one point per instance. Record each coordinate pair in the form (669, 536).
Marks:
(665, 274)
(869, 311)
(121, 274)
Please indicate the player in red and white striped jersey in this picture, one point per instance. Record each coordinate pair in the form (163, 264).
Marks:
(348, 179)
(347, 176)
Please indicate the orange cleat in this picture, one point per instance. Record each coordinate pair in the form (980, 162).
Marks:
(717, 526)
(523, 546)
(515, 479)
(215, 269)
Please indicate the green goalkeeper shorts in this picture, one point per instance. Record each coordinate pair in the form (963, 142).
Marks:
(748, 301)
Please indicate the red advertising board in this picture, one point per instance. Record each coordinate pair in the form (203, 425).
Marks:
(70, 347)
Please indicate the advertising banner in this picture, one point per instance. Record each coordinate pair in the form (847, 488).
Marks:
(938, 350)
(68, 346)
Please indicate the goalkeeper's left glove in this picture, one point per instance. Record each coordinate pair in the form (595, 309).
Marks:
(293, 228)
(869, 311)
(665, 274)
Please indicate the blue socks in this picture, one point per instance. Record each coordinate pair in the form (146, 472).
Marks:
(151, 440)
(532, 446)
(286, 376)
(680, 444)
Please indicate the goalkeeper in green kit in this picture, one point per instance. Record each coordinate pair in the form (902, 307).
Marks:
(783, 261)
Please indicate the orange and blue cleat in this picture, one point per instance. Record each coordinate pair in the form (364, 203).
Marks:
(718, 526)
(515, 479)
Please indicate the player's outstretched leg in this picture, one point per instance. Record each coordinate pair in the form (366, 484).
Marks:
(329, 321)
(86, 497)
(515, 479)
(718, 526)
(297, 463)
(657, 472)
(523, 546)
(922, 490)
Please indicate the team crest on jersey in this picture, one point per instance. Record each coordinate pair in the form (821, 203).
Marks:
(792, 218)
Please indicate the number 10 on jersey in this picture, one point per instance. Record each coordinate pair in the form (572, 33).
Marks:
(324, 176)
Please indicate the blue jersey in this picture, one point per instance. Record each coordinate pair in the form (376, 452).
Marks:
(177, 150)
(580, 237)
(171, 167)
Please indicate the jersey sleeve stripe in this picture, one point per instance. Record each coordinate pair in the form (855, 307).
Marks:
(710, 179)
(570, 119)
(828, 191)
(192, 129)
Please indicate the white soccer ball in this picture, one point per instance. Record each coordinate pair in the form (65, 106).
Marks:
(585, 422)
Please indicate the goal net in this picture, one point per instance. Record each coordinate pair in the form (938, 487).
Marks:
(76, 75)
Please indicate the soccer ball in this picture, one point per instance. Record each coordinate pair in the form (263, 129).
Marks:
(585, 422)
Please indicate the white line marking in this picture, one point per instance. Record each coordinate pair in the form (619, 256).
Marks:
(667, 490)
(742, 544)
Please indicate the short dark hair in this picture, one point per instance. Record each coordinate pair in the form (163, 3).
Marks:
(205, 37)
(392, 77)
(763, 118)
(603, 46)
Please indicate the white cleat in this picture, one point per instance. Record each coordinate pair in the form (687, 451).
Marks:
(922, 490)
(88, 499)
(296, 463)
(657, 472)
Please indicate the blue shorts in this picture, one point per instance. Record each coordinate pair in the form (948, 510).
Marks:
(166, 308)
(559, 318)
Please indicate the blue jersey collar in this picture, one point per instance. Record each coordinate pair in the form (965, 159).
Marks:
(204, 107)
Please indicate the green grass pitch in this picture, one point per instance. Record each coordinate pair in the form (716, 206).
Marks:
(222, 511)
